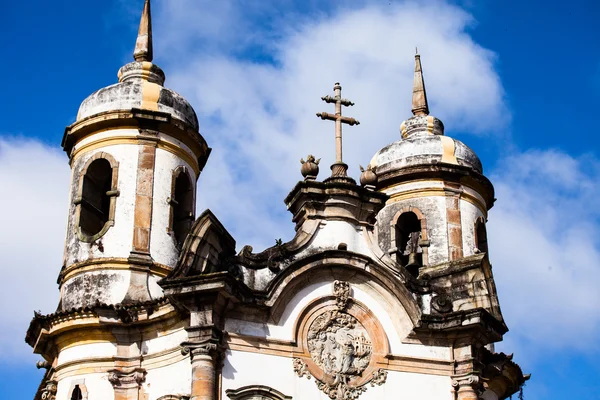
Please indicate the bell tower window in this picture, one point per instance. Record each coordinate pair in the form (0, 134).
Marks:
(481, 243)
(96, 200)
(409, 241)
(182, 205)
(408, 230)
(76, 394)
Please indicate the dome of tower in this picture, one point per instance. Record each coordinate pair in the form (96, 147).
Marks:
(140, 86)
(423, 141)
(423, 150)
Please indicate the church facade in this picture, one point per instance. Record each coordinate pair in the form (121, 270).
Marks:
(385, 292)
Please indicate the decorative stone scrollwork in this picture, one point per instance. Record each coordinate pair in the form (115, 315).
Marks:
(126, 380)
(207, 348)
(341, 291)
(49, 392)
(341, 347)
(300, 368)
(441, 303)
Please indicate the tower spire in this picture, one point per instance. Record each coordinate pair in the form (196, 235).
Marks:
(419, 99)
(143, 45)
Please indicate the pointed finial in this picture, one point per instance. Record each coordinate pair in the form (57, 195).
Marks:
(419, 99)
(143, 45)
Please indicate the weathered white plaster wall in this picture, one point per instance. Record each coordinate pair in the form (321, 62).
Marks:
(174, 379)
(87, 284)
(98, 386)
(84, 351)
(392, 317)
(468, 215)
(164, 342)
(240, 369)
(162, 245)
(118, 239)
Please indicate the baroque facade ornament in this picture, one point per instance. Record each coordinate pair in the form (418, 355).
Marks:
(300, 368)
(126, 380)
(341, 347)
(49, 392)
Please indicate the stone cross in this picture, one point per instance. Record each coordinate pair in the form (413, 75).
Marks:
(338, 168)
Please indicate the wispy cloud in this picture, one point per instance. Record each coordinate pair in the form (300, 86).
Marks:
(544, 245)
(33, 220)
(258, 111)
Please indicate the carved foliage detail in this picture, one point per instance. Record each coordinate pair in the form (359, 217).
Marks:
(340, 345)
(127, 380)
(300, 368)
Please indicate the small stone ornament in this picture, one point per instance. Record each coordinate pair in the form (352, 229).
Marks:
(368, 177)
(310, 167)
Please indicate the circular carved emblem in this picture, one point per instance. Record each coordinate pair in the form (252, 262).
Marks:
(339, 344)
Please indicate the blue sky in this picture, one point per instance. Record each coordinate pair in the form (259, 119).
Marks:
(519, 82)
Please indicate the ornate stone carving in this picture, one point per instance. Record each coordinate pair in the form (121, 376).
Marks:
(379, 377)
(310, 167)
(340, 345)
(49, 392)
(300, 368)
(441, 303)
(206, 348)
(127, 379)
(341, 291)
(368, 177)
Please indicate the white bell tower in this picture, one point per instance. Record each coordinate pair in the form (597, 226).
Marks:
(135, 154)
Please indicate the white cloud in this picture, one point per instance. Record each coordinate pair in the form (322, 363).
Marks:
(260, 116)
(544, 243)
(35, 179)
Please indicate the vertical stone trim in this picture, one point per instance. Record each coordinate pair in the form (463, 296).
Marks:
(143, 197)
(128, 376)
(454, 223)
(205, 356)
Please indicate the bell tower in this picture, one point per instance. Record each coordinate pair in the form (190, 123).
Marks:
(136, 154)
(439, 197)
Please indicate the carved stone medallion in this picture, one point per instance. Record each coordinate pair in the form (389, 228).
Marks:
(340, 346)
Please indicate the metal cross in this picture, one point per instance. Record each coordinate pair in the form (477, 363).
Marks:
(339, 168)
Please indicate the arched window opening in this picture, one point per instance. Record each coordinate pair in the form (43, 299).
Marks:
(77, 394)
(182, 202)
(256, 392)
(95, 197)
(481, 236)
(408, 236)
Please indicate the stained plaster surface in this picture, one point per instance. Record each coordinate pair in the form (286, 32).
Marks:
(329, 235)
(433, 209)
(422, 150)
(162, 244)
(131, 94)
(98, 386)
(240, 370)
(468, 215)
(117, 240)
(391, 315)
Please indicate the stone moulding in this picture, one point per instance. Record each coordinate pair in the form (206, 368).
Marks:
(340, 344)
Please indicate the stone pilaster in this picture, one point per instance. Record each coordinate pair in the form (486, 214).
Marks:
(127, 383)
(455, 240)
(466, 387)
(206, 357)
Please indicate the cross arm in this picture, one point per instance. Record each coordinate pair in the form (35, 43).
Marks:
(330, 99)
(332, 117)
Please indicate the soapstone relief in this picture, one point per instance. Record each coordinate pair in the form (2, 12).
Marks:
(340, 345)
